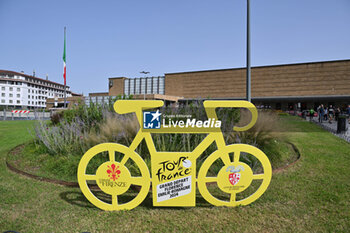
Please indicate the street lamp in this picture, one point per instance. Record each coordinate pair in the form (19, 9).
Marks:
(248, 53)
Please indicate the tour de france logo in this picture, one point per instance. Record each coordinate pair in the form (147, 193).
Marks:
(151, 120)
(113, 172)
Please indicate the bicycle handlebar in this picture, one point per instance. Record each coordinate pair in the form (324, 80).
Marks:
(129, 106)
(235, 104)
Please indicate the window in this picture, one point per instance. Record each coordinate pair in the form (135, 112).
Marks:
(149, 85)
(28, 96)
(10, 101)
(3, 88)
(3, 94)
(11, 95)
(18, 89)
(155, 85)
(2, 101)
(11, 89)
(18, 102)
(137, 86)
(28, 102)
(131, 87)
(161, 85)
(143, 85)
(18, 95)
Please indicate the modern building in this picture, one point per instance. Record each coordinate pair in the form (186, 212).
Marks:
(136, 86)
(139, 88)
(22, 91)
(285, 87)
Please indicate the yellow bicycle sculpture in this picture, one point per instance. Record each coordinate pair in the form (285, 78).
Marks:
(174, 173)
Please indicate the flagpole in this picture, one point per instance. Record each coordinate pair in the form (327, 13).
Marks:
(65, 92)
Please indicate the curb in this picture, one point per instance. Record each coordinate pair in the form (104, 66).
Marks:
(40, 178)
(76, 184)
(281, 169)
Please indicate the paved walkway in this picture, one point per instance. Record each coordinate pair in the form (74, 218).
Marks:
(333, 128)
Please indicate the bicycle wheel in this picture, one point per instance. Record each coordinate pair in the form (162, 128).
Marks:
(234, 177)
(114, 177)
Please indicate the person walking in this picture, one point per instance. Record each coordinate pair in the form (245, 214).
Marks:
(348, 110)
(325, 113)
(336, 113)
(312, 112)
(320, 113)
(330, 113)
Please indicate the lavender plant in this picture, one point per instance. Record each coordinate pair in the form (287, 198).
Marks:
(65, 138)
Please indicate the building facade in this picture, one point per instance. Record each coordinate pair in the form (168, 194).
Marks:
(140, 88)
(22, 91)
(136, 86)
(287, 87)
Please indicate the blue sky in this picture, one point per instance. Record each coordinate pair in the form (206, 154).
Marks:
(121, 38)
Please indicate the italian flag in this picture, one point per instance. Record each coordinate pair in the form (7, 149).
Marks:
(64, 57)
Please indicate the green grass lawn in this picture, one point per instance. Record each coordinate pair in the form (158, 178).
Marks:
(313, 195)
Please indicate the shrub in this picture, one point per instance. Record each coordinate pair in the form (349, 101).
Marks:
(115, 128)
(63, 139)
(86, 126)
(56, 117)
(90, 114)
(264, 135)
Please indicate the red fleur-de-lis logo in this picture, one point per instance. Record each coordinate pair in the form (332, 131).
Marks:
(234, 178)
(113, 172)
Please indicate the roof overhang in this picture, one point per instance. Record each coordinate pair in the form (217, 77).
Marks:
(279, 98)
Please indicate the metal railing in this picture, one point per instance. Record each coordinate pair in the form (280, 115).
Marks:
(7, 115)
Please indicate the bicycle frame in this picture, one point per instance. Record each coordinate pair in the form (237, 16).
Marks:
(165, 166)
(174, 175)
